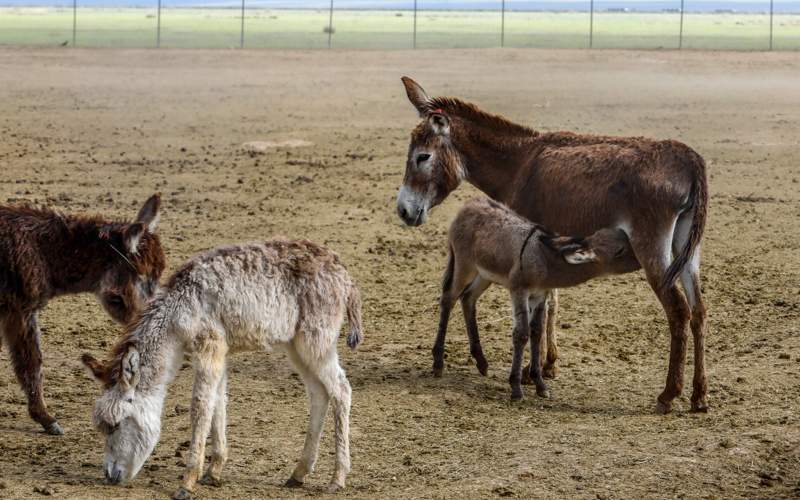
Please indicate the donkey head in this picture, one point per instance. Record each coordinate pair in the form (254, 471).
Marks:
(129, 419)
(136, 263)
(603, 247)
(433, 167)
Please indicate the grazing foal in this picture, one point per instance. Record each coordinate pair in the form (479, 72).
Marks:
(44, 254)
(488, 243)
(291, 294)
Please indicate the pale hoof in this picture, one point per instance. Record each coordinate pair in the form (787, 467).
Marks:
(333, 488)
(700, 406)
(182, 494)
(54, 429)
(209, 480)
(663, 408)
(293, 483)
(550, 371)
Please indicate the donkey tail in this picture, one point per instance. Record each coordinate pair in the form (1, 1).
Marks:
(698, 201)
(356, 334)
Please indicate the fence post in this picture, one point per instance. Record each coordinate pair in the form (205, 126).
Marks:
(241, 32)
(330, 25)
(503, 23)
(158, 26)
(591, 23)
(415, 25)
(74, 20)
(771, 12)
(680, 34)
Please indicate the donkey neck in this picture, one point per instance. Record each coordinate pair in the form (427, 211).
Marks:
(495, 161)
(160, 349)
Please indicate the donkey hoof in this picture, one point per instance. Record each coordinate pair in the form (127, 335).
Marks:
(333, 488)
(293, 483)
(182, 494)
(663, 408)
(437, 371)
(550, 371)
(483, 367)
(543, 393)
(54, 429)
(209, 480)
(516, 395)
(700, 406)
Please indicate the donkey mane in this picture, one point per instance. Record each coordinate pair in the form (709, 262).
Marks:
(109, 371)
(453, 106)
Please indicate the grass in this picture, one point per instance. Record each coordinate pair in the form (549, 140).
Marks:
(220, 28)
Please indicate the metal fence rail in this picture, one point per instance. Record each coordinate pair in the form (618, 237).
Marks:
(609, 26)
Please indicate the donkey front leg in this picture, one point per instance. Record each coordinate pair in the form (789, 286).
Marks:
(520, 336)
(208, 374)
(219, 442)
(23, 337)
(469, 300)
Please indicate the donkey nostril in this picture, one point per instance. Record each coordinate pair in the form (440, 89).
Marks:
(402, 212)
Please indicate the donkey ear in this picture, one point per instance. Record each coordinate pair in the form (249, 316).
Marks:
(129, 372)
(440, 124)
(131, 235)
(416, 95)
(148, 214)
(579, 255)
(95, 367)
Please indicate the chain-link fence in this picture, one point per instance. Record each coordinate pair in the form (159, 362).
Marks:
(404, 24)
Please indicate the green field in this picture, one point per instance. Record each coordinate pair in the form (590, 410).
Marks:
(220, 28)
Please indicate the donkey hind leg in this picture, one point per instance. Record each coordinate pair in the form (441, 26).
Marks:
(209, 372)
(455, 280)
(690, 278)
(318, 401)
(219, 442)
(23, 337)
(520, 337)
(655, 255)
(550, 369)
(537, 327)
(332, 377)
(469, 299)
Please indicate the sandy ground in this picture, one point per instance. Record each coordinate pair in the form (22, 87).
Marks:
(100, 130)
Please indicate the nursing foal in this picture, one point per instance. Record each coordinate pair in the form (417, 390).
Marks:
(291, 294)
(488, 243)
(44, 254)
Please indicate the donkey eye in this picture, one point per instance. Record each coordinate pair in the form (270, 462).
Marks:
(422, 158)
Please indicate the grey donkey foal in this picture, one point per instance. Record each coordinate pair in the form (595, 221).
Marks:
(288, 294)
(488, 243)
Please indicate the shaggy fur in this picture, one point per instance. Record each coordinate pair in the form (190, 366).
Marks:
(655, 191)
(488, 243)
(291, 294)
(44, 254)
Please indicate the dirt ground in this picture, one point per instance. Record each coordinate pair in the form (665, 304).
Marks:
(99, 130)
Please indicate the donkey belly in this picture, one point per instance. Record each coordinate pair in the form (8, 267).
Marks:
(258, 321)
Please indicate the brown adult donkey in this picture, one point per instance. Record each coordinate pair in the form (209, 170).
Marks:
(44, 254)
(655, 191)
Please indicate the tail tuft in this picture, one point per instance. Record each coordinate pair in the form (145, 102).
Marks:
(698, 196)
(356, 335)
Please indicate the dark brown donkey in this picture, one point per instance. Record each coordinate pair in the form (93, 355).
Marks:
(44, 254)
(655, 191)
